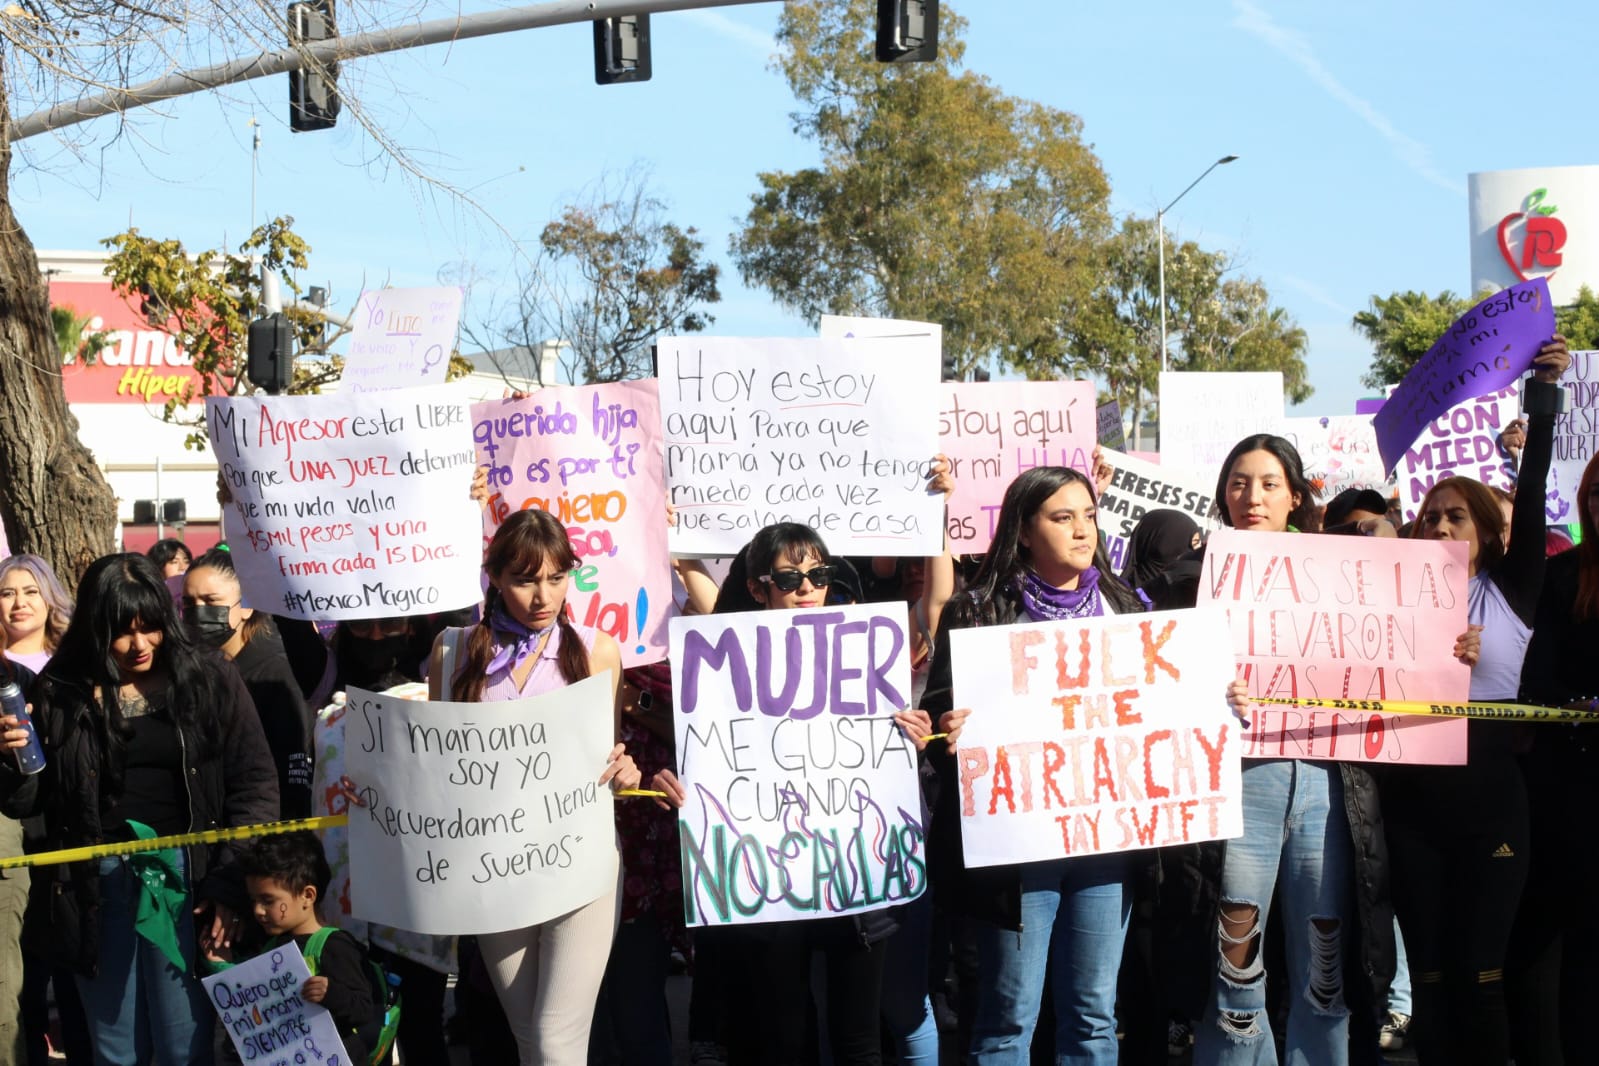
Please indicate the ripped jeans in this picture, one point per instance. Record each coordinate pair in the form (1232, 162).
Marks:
(1295, 832)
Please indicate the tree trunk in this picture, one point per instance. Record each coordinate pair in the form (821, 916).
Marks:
(53, 499)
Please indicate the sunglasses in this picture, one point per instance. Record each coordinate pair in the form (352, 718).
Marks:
(790, 580)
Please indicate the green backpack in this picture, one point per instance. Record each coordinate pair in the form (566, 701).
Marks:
(379, 1036)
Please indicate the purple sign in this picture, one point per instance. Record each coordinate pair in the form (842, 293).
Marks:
(1369, 405)
(1487, 349)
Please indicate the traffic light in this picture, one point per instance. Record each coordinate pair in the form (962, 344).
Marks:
(313, 92)
(270, 348)
(621, 49)
(952, 370)
(907, 31)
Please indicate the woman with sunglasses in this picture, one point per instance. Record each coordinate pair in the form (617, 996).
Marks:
(787, 566)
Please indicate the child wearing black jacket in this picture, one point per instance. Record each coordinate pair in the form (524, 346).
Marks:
(287, 874)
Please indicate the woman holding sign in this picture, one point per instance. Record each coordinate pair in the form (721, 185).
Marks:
(1454, 826)
(146, 734)
(1045, 563)
(1311, 829)
(547, 976)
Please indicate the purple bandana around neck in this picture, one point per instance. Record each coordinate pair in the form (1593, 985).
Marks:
(526, 643)
(1044, 602)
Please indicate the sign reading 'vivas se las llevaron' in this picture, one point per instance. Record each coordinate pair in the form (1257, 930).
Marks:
(349, 506)
(1344, 618)
(803, 799)
(1095, 735)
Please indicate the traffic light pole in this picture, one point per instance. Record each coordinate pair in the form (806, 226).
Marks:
(339, 49)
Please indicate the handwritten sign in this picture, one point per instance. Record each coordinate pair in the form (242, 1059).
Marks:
(1576, 438)
(1463, 442)
(803, 796)
(1204, 413)
(1339, 452)
(591, 456)
(1344, 618)
(1093, 736)
(1486, 349)
(1112, 433)
(1137, 488)
(270, 1024)
(483, 817)
(402, 338)
(837, 434)
(349, 506)
(992, 431)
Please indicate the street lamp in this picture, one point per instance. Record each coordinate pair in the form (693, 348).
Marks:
(1160, 228)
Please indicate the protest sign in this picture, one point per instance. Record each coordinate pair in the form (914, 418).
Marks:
(402, 338)
(1464, 441)
(352, 505)
(992, 431)
(483, 817)
(1485, 350)
(269, 1022)
(1344, 618)
(1204, 413)
(1112, 434)
(1137, 488)
(1095, 735)
(1339, 452)
(1576, 438)
(845, 327)
(591, 456)
(803, 799)
(837, 434)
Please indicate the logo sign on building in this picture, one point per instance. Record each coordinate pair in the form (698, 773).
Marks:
(141, 363)
(1541, 222)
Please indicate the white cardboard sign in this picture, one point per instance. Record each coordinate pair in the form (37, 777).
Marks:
(402, 338)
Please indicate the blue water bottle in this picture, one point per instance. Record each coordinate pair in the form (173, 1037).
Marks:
(30, 758)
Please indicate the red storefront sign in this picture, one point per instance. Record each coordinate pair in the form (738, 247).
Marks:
(142, 364)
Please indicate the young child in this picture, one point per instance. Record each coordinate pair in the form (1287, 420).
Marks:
(286, 874)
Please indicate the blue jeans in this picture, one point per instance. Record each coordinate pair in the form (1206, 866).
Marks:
(140, 1005)
(1399, 992)
(1074, 920)
(907, 1007)
(1295, 832)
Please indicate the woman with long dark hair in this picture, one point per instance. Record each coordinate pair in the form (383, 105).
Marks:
(547, 976)
(1312, 838)
(146, 734)
(1045, 563)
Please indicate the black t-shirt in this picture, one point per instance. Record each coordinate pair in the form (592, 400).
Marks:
(153, 790)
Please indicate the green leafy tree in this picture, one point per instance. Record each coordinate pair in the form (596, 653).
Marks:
(1401, 328)
(611, 274)
(937, 197)
(1578, 322)
(76, 342)
(1214, 322)
(206, 302)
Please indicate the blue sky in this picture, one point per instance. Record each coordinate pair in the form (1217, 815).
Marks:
(1355, 124)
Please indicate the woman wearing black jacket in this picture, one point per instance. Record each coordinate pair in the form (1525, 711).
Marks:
(144, 733)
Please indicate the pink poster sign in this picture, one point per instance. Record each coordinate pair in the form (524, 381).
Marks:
(591, 456)
(1344, 618)
(993, 430)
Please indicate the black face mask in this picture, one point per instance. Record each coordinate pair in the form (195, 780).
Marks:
(365, 659)
(208, 623)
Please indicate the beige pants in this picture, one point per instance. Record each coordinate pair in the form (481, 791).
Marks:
(13, 901)
(548, 978)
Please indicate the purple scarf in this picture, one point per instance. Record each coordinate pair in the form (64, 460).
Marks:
(1044, 602)
(526, 642)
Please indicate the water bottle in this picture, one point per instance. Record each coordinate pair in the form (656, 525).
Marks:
(30, 758)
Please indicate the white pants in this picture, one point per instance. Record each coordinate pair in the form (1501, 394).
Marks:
(548, 979)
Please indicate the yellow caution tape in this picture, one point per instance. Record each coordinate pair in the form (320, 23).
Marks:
(180, 840)
(1507, 712)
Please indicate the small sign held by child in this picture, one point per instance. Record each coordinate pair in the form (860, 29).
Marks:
(261, 1005)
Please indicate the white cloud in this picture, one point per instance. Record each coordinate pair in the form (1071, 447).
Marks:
(1293, 46)
(718, 23)
(1316, 294)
